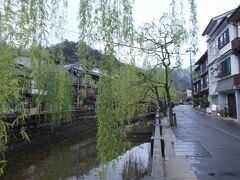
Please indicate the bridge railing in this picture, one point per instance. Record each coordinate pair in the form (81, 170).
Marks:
(157, 151)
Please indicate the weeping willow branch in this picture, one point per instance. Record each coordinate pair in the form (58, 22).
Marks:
(24, 26)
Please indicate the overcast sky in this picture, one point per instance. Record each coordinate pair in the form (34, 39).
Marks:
(148, 10)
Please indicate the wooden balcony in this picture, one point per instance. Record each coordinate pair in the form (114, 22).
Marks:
(236, 81)
(196, 79)
(236, 46)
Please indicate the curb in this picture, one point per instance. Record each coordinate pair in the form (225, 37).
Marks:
(216, 117)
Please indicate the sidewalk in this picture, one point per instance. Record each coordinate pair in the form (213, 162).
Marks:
(176, 167)
(215, 116)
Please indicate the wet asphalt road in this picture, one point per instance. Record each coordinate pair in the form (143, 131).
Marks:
(212, 146)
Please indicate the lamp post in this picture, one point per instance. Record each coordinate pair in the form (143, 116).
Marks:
(190, 50)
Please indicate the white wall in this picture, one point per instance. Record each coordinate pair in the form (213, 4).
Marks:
(234, 65)
(212, 81)
(213, 51)
(237, 95)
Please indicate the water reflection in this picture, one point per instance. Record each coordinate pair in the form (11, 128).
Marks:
(76, 158)
(120, 167)
(60, 161)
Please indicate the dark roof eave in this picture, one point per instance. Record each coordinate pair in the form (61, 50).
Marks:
(231, 18)
(219, 24)
(216, 27)
(202, 58)
(206, 31)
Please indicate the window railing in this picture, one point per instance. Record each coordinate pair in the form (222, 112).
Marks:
(224, 74)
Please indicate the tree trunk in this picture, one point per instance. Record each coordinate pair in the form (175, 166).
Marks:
(170, 109)
(78, 93)
(165, 105)
(169, 99)
(157, 97)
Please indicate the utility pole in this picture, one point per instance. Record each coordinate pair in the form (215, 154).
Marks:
(78, 86)
(190, 50)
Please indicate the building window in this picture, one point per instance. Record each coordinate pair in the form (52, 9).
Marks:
(223, 39)
(225, 67)
(204, 66)
(199, 86)
(205, 82)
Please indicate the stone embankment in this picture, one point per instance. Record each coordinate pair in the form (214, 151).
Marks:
(41, 132)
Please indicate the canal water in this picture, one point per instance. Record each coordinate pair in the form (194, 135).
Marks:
(76, 158)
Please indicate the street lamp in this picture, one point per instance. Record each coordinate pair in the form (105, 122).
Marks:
(190, 50)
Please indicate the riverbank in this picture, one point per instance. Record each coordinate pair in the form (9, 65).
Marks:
(42, 133)
(76, 157)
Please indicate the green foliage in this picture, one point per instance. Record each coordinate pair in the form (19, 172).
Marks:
(53, 86)
(11, 88)
(224, 112)
(203, 101)
(109, 23)
(82, 95)
(194, 29)
(24, 26)
(75, 51)
(106, 21)
(195, 74)
(118, 101)
(174, 95)
(161, 41)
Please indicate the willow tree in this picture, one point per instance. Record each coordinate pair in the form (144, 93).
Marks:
(115, 108)
(24, 25)
(10, 95)
(194, 29)
(153, 80)
(161, 41)
(53, 86)
(107, 23)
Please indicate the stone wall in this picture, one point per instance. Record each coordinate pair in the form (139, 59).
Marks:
(41, 132)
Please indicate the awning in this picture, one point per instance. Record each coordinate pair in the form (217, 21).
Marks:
(229, 83)
(225, 84)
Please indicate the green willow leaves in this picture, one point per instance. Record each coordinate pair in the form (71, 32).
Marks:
(194, 29)
(116, 105)
(107, 23)
(24, 27)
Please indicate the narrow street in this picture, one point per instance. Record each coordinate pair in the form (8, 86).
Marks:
(211, 146)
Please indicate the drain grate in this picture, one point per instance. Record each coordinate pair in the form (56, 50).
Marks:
(193, 148)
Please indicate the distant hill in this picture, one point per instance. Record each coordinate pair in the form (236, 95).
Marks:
(75, 51)
(71, 52)
(181, 79)
(92, 57)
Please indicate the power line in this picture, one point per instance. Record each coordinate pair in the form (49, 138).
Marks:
(135, 47)
(127, 45)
